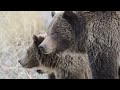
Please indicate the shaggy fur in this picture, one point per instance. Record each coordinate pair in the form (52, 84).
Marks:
(61, 66)
(96, 34)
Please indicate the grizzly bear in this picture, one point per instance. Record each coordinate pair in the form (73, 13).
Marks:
(58, 66)
(93, 33)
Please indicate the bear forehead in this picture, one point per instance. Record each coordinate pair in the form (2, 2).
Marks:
(58, 21)
(56, 18)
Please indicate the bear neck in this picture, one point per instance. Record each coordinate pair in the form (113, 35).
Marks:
(78, 42)
(81, 30)
(49, 60)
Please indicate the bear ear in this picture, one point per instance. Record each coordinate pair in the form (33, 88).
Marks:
(72, 19)
(35, 39)
(53, 13)
(41, 38)
(70, 16)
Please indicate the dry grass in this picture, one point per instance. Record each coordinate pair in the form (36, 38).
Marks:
(16, 31)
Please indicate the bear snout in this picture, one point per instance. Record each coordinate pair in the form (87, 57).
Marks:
(21, 63)
(42, 48)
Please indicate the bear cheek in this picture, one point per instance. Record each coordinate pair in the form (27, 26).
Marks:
(32, 61)
(35, 63)
(63, 45)
(32, 65)
(53, 45)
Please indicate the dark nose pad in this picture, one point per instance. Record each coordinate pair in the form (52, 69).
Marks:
(42, 48)
(20, 62)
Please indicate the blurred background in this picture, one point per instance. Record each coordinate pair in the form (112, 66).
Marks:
(16, 31)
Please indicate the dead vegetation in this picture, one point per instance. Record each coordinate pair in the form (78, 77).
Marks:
(16, 31)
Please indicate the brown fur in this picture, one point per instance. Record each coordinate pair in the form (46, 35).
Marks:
(96, 34)
(63, 65)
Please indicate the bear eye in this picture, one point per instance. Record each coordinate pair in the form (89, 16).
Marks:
(52, 33)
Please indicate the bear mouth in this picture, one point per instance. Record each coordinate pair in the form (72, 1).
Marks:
(40, 71)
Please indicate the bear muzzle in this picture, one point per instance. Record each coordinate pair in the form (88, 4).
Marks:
(21, 63)
(43, 49)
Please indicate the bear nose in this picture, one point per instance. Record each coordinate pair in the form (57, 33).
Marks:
(19, 62)
(42, 49)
